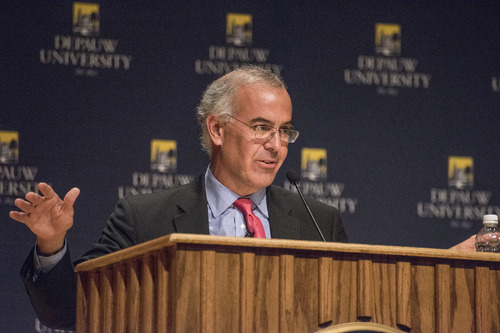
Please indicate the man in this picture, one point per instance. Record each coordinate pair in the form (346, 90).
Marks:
(246, 121)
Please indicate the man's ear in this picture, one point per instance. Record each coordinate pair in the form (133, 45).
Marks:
(215, 129)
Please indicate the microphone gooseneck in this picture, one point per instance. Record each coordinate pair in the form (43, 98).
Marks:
(293, 178)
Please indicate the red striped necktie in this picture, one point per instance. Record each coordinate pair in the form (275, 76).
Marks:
(254, 225)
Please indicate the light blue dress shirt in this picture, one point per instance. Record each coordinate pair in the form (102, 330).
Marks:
(224, 219)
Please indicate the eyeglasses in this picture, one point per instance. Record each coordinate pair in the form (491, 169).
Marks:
(266, 132)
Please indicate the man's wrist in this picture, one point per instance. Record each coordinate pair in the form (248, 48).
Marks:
(44, 253)
(48, 254)
(45, 262)
(49, 248)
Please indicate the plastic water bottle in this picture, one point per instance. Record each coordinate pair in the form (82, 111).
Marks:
(488, 238)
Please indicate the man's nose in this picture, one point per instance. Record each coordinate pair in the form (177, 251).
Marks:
(274, 142)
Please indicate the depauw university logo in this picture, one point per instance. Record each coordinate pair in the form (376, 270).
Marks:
(459, 204)
(388, 39)
(239, 29)
(314, 164)
(86, 19)
(164, 155)
(9, 147)
(460, 172)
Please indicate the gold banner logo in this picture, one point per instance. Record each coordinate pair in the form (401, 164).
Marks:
(164, 155)
(239, 29)
(86, 19)
(9, 147)
(314, 164)
(460, 172)
(388, 39)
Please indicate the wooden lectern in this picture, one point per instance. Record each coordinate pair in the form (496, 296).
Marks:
(194, 283)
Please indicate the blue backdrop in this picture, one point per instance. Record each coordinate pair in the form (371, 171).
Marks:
(397, 103)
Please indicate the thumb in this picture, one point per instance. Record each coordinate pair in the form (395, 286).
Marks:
(70, 198)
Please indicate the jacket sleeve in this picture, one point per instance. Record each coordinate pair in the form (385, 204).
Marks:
(338, 231)
(52, 294)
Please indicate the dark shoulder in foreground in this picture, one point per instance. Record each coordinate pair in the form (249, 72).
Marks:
(326, 216)
(293, 198)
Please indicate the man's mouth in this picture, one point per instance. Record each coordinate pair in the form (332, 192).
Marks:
(268, 162)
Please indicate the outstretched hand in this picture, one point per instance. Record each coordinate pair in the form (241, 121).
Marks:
(47, 216)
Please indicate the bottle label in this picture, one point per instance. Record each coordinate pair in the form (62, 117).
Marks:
(488, 246)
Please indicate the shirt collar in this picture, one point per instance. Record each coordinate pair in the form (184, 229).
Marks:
(220, 198)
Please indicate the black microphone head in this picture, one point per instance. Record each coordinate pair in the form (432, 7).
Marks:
(292, 176)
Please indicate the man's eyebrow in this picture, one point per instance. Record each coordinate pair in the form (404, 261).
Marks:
(264, 120)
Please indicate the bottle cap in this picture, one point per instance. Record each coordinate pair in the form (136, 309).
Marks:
(491, 218)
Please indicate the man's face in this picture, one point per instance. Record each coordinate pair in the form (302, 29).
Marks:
(241, 162)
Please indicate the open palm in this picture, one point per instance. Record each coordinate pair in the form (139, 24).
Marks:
(47, 216)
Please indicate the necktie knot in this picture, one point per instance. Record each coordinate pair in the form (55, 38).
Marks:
(244, 205)
(254, 225)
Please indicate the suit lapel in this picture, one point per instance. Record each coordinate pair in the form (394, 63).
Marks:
(192, 211)
(283, 224)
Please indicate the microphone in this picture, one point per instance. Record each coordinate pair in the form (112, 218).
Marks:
(293, 178)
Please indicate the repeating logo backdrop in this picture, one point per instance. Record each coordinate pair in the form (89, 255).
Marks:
(397, 104)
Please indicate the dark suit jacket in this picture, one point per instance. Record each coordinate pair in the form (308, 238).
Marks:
(138, 219)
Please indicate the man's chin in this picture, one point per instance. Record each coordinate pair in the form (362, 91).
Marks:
(266, 180)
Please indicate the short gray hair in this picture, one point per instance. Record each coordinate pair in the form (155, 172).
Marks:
(219, 97)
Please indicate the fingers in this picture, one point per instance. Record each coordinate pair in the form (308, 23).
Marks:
(70, 198)
(25, 206)
(36, 199)
(47, 191)
(19, 216)
(34, 202)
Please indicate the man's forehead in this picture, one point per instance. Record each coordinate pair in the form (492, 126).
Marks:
(262, 94)
(256, 89)
(266, 120)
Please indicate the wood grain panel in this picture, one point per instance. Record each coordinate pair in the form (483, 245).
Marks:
(384, 292)
(286, 295)
(365, 289)
(106, 299)
(495, 299)
(186, 307)
(305, 293)
(147, 296)
(267, 293)
(443, 298)
(462, 300)
(227, 291)
(119, 298)
(247, 292)
(207, 290)
(483, 299)
(423, 302)
(325, 290)
(133, 295)
(161, 287)
(402, 306)
(345, 289)
(189, 283)
(94, 303)
(82, 307)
